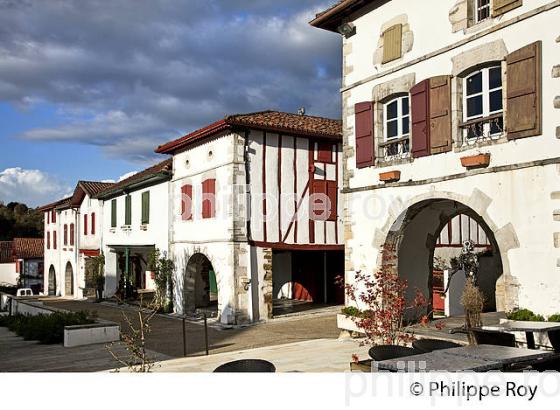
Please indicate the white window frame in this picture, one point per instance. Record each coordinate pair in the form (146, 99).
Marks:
(477, 8)
(399, 118)
(485, 93)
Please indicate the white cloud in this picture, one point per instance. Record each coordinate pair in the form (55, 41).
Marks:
(30, 186)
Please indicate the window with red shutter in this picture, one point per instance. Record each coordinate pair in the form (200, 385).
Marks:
(186, 203)
(324, 152)
(65, 240)
(324, 201)
(364, 134)
(71, 234)
(48, 217)
(93, 223)
(48, 240)
(209, 198)
(54, 239)
(53, 216)
(85, 224)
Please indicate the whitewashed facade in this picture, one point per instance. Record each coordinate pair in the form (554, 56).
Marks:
(496, 69)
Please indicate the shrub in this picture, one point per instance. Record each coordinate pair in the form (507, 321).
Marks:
(554, 318)
(526, 315)
(47, 329)
(351, 311)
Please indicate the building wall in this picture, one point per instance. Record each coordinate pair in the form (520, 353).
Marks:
(517, 195)
(8, 273)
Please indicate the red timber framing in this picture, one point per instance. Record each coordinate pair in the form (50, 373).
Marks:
(279, 175)
(90, 252)
(265, 236)
(296, 247)
(311, 180)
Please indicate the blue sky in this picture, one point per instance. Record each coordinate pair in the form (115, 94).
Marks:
(87, 92)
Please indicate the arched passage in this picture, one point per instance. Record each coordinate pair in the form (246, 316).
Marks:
(200, 285)
(52, 281)
(415, 238)
(69, 280)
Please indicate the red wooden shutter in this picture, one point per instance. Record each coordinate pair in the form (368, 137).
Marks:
(48, 217)
(53, 219)
(208, 198)
(440, 114)
(65, 241)
(420, 101)
(364, 134)
(85, 224)
(186, 203)
(332, 193)
(93, 223)
(71, 234)
(48, 240)
(524, 105)
(54, 239)
(325, 152)
(318, 205)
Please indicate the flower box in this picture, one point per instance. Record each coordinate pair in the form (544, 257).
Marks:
(476, 161)
(390, 176)
(347, 323)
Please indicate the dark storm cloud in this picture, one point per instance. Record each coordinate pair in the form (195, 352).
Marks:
(146, 70)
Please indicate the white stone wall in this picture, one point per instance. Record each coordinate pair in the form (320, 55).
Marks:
(8, 273)
(517, 195)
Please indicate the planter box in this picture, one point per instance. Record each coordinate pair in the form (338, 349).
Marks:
(541, 338)
(476, 161)
(82, 335)
(344, 322)
(391, 176)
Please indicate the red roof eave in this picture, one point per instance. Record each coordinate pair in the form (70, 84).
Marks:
(208, 131)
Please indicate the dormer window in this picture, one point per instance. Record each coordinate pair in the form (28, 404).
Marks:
(481, 10)
(396, 126)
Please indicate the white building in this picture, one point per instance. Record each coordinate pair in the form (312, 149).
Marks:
(241, 232)
(135, 223)
(451, 108)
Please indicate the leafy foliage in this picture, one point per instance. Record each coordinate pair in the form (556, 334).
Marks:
(525, 315)
(48, 329)
(554, 318)
(19, 221)
(163, 270)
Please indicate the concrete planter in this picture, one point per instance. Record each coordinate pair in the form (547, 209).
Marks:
(476, 161)
(346, 323)
(541, 338)
(390, 176)
(96, 333)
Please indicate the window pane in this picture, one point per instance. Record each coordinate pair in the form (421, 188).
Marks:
(405, 125)
(497, 126)
(474, 106)
(495, 75)
(392, 129)
(405, 106)
(392, 110)
(474, 84)
(496, 100)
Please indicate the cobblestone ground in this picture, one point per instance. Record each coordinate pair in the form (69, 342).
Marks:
(166, 335)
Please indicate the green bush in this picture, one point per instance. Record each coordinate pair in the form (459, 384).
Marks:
(46, 329)
(526, 315)
(351, 311)
(554, 318)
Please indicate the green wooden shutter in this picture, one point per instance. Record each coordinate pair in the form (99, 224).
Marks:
(128, 210)
(146, 208)
(114, 213)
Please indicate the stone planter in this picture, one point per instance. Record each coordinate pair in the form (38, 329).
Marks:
(476, 161)
(346, 323)
(390, 176)
(541, 338)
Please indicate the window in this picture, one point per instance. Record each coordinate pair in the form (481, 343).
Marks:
(48, 217)
(186, 203)
(85, 224)
(481, 10)
(65, 240)
(93, 223)
(396, 126)
(71, 234)
(53, 216)
(48, 240)
(145, 208)
(482, 104)
(128, 210)
(54, 239)
(209, 199)
(113, 213)
(325, 152)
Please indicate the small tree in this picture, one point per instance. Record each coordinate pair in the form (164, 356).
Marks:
(163, 269)
(472, 300)
(97, 279)
(384, 313)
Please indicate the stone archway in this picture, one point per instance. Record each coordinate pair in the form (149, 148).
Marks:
(411, 237)
(200, 289)
(69, 280)
(52, 281)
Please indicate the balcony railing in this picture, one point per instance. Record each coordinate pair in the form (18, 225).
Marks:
(482, 129)
(397, 148)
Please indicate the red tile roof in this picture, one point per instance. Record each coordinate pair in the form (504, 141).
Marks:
(92, 187)
(28, 248)
(163, 167)
(6, 252)
(61, 202)
(275, 121)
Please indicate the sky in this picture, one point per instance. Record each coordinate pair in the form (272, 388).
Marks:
(89, 88)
